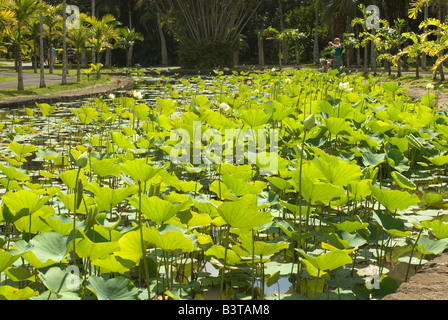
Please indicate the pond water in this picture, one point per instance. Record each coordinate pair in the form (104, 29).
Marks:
(42, 143)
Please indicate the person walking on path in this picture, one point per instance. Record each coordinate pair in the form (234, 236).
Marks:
(52, 57)
(337, 47)
(70, 56)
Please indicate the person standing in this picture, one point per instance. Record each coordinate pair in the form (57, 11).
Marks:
(70, 56)
(338, 49)
(52, 57)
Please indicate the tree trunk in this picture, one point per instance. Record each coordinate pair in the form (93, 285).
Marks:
(163, 48)
(316, 36)
(236, 57)
(84, 59)
(366, 54)
(35, 56)
(41, 52)
(260, 50)
(78, 69)
(417, 67)
(19, 59)
(64, 43)
(93, 49)
(425, 17)
(282, 28)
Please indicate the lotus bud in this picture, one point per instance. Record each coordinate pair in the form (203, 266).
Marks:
(82, 160)
(89, 148)
(310, 122)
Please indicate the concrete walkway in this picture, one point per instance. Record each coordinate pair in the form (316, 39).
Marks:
(33, 79)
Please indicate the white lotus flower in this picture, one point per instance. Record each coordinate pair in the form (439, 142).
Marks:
(137, 94)
(111, 96)
(224, 106)
(288, 81)
(430, 86)
(345, 87)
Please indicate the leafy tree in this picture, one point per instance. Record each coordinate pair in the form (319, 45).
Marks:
(23, 10)
(208, 30)
(103, 32)
(79, 38)
(126, 40)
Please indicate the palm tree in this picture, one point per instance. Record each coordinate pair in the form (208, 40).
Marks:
(127, 40)
(437, 47)
(413, 51)
(23, 9)
(64, 42)
(103, 31)
(6, 21)
(51, 20)
(79, 38)
(41, 48)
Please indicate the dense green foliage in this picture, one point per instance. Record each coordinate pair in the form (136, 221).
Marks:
(94, 205)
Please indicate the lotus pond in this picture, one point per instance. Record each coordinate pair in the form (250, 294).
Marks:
(95, 207)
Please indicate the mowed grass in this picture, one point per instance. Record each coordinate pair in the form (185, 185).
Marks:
(55, 88)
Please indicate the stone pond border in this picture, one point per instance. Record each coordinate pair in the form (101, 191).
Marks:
(118, 83)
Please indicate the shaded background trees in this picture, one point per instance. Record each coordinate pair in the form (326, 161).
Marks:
(217, 33)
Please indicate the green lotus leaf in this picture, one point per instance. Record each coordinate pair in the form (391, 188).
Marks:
(337, 171)
(261, 248)
(69, 178)
(393, 226)
(12, 293)
(165, 106)
(119, 288)
(95, 250)
(156, 209)
(337, 125)
(329, 261)
(244, 213)
(439, 160)
(105, 167)
(14, 173)
(218, 252)
(138, 169)
(351, 226)
(427, 245)
(438, 227)
(114, 263)
(169, 241)
(62, 283)
(391, 86)
(45, 108)
(395, 199)
(319, 192)
(107, 198)
(277, 110)
(402, 181)
(24, 202)
(373, 159)
(49, 246)
(7, 258)
(254, 118)
(131, 247)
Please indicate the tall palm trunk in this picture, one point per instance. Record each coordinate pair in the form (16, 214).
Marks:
(316, 35)
(20, 85)
(260, 50)
(93, 49)
(64, 42)
(41, 51)
(425, 17)
(163, 47)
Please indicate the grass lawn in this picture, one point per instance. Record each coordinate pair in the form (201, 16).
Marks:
(55, 88)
